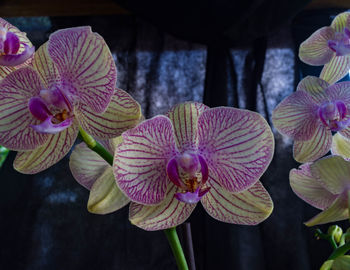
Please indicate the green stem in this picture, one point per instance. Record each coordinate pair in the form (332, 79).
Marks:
(3, 154)
(327, 237)
(96, 146)
(175, 245)
(339, 251)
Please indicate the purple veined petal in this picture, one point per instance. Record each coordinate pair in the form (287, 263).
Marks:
(86, 66)
(236, 144)
(47, 127)
(341, 21)
(249, 207)
(184, 118)
(169, 213)
(4, 71)
(336, 69)
(337, 211)
(309, 189)
(317, 146)
(140, 160)
(341, 146)
(86, 166)
(332, 172)
(55, 148)
(17, 59)
(339, 92)
(296, 116)
(315, 51)
(15, 118)
(11, 44)
(105, 196)
(122, 114)
(315, 87)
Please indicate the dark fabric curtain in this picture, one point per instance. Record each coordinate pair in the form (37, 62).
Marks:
(44, 221)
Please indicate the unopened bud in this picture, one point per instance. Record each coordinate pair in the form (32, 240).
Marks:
(336, 232)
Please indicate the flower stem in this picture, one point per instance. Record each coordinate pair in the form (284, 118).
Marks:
(95, 146)
(175, 245)
(340, 251)
(3, 154)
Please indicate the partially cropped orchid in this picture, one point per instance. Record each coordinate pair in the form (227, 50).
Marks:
(15, 48)
(167, 164)
(311, 114)
(324, 184)
(70, 83)
(329, 46)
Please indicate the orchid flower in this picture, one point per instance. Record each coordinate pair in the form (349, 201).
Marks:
(95, 174)
(311, 114)
(15, 48)
(167, 164)
(325, 185)
(329, 46)
(70, 83)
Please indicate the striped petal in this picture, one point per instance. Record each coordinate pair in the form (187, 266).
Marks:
(15, 118)
(85, 64)
(140, 160)
(315, 87)
(296, 116)
(105, 196)
(169, 213)
(341, 146)
(249, 207)
(337, 211)
(332, 172)
(309, 189)
(184, 118)
(341, 21)
(86, 166)
(339, 91)
(236, 144)
(122, 114)
(315, 51)
(317, 146)
(336, 69)
(56, 147)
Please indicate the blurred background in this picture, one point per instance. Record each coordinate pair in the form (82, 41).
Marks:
(223, 53)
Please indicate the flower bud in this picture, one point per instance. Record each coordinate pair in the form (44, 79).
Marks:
(336, 232)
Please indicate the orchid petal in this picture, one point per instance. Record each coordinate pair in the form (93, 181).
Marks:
(17, 59)
(317, 146)
(341, 146)
(315, 51)
(86, 66)
(237, 146)
(296, 116)
(15, 118)
(122, 114)
(249, 207)
(335, 212)
(315, 87)
(309, 189)
(341, 263)
(336, 69)
(140, 161)
(184, 118)
(170, 213)
(332, 172)
(339, 92)
(57, 146)
(50, 128)
(341, 21)
(105, 196)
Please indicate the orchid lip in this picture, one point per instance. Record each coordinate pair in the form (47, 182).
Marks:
(50, 128)
(333, 114)
(17, 59)
(191, 197)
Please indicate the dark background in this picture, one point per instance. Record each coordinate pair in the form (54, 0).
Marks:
(241, 54)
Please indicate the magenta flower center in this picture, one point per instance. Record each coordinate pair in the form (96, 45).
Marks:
(9, 42)
(189, 171)
(333, 114)
(341, 43)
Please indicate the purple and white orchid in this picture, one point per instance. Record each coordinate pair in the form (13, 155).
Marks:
(70, 83)
(329, 46)
(167, 164)
(311, 114)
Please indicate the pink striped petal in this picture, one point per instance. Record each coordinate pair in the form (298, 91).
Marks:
(296, 116)
(56, 147)
(340, 146)
(336, 69)
(249, 207)
(332, 172)
(15, 117)
(337, 211)
(86, 166)
(341, 21)
(122, 114)
(237, 145)
(317, 146)
(85, 64)
(4, 71)
(105, 196)
(309, 189)
(315, 51)
(339, 92)
(184, 118)
(140, 160)
(169, 213)
(315, 87)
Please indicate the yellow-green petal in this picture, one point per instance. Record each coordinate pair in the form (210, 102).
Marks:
(341, 263)
(340, 146)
